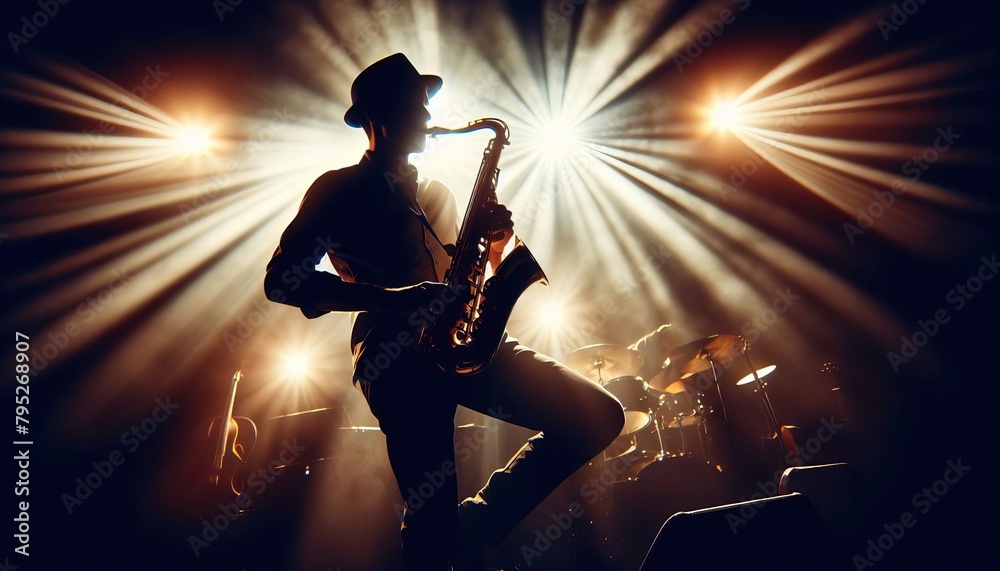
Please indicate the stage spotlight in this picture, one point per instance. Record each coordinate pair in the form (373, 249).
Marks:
(193, 140)
(557, 139)
(552, 315)
(725, 115)
(295, 365)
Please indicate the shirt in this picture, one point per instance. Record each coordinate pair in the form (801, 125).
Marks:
(377, 224)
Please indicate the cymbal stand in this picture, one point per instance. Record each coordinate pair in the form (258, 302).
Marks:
(718, 388)
(779, 432)
(772, 419)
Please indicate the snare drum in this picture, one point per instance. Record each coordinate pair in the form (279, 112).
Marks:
(639, 404)
(645, 443)
(685, 408)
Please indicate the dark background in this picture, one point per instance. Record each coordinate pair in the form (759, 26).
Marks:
(941, 408)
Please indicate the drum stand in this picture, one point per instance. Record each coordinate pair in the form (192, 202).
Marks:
(778, 431)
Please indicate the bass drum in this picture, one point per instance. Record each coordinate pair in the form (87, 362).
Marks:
(654, 490)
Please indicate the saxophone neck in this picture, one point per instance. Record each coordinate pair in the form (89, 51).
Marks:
(500, 129)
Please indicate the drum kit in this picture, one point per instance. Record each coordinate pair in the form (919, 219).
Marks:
(665, 417)
(669, 457)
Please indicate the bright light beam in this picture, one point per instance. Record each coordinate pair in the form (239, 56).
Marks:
(194, 140)
(725, 115)
(552, 315)
(558, 139)
(554, 139)
(295, 366)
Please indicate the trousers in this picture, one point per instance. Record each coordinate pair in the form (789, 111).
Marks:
(415, 404)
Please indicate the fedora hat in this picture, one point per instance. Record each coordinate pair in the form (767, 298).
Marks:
(381, 83)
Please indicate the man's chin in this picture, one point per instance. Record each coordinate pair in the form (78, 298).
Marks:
(419, 145)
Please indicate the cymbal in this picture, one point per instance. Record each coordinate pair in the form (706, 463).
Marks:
(761, 372)
(667, 382)
(698, 356)
(605, 362)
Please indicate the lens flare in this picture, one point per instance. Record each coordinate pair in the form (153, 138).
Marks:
(725, 115)
(552, 315)
(558, 139)
(295, 366)
(194, 140)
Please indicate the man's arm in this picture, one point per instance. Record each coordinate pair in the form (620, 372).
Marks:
(654, 350)
(292, 277)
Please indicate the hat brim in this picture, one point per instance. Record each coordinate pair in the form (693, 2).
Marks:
(355, 117)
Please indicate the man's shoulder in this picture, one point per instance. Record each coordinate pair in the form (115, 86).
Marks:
(337, 178)
(333, 184)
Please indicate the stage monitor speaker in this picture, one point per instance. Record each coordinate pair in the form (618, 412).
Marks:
(783, 532)
(837, 493)
(818, 481)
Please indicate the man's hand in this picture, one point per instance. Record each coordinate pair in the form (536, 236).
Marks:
(499, 219)
(410, 299)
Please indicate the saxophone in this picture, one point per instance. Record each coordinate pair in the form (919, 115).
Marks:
(465, 337)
